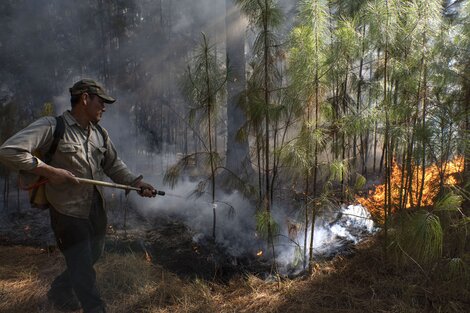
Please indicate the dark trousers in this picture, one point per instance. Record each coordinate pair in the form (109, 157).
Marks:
(81, 241)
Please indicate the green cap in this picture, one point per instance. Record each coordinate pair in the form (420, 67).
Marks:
(92, 87)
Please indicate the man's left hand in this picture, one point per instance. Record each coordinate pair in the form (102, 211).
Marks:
(147, 190)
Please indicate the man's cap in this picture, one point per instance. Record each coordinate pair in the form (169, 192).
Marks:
(92, 87)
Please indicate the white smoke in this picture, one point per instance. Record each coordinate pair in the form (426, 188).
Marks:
(236, 232)
(235, 221)
(333, 233)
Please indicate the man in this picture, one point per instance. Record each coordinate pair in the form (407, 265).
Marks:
(77, 211)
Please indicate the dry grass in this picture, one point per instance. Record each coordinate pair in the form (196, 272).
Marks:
(131, 284)
(25, 276)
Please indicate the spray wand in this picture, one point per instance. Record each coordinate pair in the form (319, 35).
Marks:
(113, 185)
(99, 183)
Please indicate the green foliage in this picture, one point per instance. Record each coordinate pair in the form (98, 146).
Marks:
(307, 57)
(456, 269)
(465, 221)
(173, 173)
(204, 82)
(266, 17)
(339, 170)
(299, 256)
(263, 221)
(298, 153)
(354, 124)
(328, 111)
(348, 39)
(203, 85)
(384, 17)
(191, 162)
(358, 70)
(418, 239)
(449, 202)
(425, 16)
(454, 277)
(360, 182)
(260, 10)
(295, 157)
(454, 222)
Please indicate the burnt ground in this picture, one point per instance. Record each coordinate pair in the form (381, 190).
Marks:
(164, 240)
(170, 244)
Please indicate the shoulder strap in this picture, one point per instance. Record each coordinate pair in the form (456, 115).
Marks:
(103, 133)
(58, 135)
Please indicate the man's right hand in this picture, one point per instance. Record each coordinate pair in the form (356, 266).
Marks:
(55, 175)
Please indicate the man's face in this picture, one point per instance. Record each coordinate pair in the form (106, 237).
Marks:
(95, 108)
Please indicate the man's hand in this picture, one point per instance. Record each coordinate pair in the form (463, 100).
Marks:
(61, 176)
(147, 189)
(55, 175)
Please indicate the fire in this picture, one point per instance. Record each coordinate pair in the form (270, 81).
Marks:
(260, 253)
(111, 230)
(432, 178)
(148, 257)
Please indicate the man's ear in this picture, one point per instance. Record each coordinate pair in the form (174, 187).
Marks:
(85, 97)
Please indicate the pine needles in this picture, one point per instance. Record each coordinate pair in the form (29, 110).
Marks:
(419, 239)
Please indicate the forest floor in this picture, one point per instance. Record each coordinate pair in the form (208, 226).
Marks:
(159, 268)
(131, 282)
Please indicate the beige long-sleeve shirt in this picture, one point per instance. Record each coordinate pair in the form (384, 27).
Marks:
(82, 152)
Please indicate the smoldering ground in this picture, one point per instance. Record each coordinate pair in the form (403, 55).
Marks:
(236, 230)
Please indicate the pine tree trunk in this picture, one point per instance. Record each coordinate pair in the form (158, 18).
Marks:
(386, 146)
(466, 149)
(343, 137)
(358, 102)
(423, 155)
(238, 153)
(306, 222)
(210, 104)
(267, 123)
(258, 159)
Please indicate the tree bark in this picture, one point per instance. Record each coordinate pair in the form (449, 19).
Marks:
(238, 152)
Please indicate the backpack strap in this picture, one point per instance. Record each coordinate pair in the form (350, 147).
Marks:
(103, 133)
(58, 135)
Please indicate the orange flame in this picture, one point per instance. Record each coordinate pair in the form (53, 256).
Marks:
(448, 171)
(260, 253)
(148, 257)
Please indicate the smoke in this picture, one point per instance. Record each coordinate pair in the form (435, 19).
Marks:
(236, 224)
(334, 232)
(235, 221)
